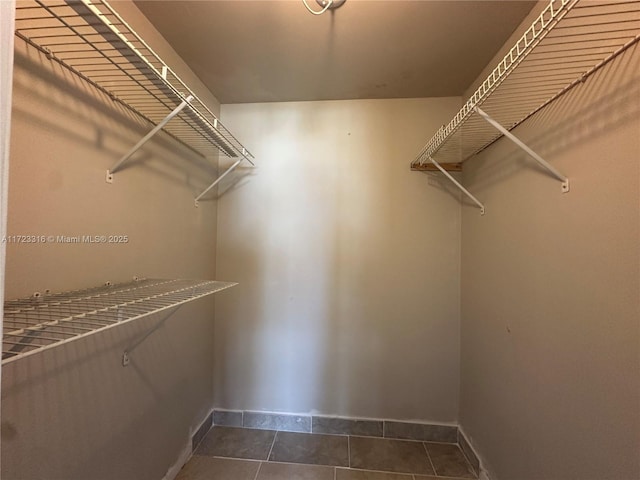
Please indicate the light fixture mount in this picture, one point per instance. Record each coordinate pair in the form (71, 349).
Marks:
(334, 4)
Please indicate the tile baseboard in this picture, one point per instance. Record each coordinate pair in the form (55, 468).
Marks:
(364, 427)
(277, 421)
(227, 418)
(468, 451)
(421, 431)
(347, 426)
(202, 431)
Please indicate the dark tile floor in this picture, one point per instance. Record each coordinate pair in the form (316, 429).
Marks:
(230, 453)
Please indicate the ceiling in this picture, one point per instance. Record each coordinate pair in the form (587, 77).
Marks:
(275, 50)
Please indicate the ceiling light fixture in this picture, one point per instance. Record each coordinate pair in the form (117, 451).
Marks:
(325, 4)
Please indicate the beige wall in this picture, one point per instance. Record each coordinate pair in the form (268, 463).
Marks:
(75, 412)
(550, 352)
(348, 264)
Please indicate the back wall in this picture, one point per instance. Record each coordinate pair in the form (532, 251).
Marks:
(348, 264)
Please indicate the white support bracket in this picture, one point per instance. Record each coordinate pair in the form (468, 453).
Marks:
(541, 161)
(147, 137)
(226, 172)
(459, 185)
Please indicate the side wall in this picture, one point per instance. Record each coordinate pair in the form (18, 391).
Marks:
(74, 413)
(550, 352)
(348, 264)
(7, 17)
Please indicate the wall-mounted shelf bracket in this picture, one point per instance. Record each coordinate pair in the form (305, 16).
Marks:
(541, 161)
(147, 137)
(459, 185)
(226, 172)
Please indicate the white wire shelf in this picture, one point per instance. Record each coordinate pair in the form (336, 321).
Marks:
(569, 41)
(38, 323)
(91, 39)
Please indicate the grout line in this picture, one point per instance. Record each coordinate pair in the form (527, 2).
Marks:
(335, 473)
(349, 450)
(397, 439)
(466, 458)
(429, 457)
(258, 471)
(233, 458)
(439, 443)
(272, 444)
(446, 477)
(386, 472)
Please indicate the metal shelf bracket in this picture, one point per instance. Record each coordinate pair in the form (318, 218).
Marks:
(541, 161)
(459, 185)
(226, 172)
(147, 137)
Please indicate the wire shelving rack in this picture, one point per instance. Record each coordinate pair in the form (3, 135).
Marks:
(38, 323)
(568, 41)
(92, 40)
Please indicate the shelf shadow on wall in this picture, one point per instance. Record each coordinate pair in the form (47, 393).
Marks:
(584, 113)
(115, 128)
(438, 181)
(235, 181)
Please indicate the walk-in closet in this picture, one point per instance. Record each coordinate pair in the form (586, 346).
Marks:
(320, 239)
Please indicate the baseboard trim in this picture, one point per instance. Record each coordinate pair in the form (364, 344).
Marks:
(202, 431)
(190, 446)
(474, 459)
(367, 427)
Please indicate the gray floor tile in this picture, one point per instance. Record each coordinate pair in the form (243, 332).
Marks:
(209, 468)
(287, 471)
(348, 474)
(449, 461)
(237, 443)
(313, 449)
(400, 456)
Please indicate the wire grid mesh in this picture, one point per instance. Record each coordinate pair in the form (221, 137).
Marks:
(586, 35)
(89, 38)
(37, 323)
